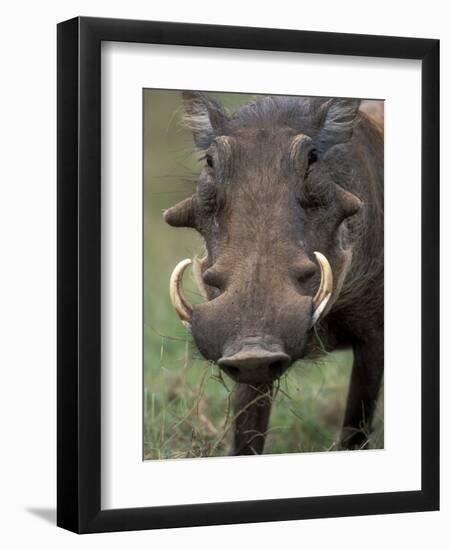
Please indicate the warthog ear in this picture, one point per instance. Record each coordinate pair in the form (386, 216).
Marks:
(205, 117)
(338, 118)
(182, 214)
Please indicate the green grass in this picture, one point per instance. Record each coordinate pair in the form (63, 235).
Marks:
(186, 399)
(187, 407)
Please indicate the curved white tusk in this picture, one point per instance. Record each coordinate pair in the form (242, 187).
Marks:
(323, 295)
(177, 297)
(319, 310)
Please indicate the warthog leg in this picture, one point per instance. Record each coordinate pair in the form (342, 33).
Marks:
(251, 407)
(365, 383)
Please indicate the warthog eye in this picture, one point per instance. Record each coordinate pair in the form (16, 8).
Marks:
(312, 157)
(209, 161)
(302, 154)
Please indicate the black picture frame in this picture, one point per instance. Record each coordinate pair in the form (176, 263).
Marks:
(79, 275)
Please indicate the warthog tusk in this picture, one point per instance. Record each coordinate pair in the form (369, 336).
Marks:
(323, 295)
(177, 297)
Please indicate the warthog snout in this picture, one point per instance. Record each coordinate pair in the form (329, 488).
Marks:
(255, 363)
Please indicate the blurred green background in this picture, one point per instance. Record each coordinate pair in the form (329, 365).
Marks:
(186, 399)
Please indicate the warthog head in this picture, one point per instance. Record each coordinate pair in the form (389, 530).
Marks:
(270, 207)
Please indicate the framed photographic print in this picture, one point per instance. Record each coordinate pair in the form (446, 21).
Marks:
(247, 274)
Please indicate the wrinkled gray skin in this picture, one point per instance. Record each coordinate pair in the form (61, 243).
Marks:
(284, 177)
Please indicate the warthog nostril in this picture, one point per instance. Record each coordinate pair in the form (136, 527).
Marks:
(254, 364)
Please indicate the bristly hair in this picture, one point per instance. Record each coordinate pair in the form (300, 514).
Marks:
(331, 121)
(280, 110)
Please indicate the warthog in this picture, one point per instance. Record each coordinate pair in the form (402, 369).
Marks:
(290, 207)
